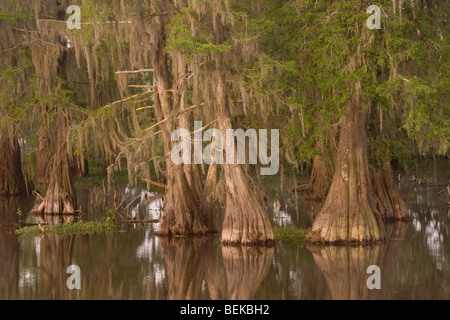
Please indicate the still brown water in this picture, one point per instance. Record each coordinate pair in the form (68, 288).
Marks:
(132, 263)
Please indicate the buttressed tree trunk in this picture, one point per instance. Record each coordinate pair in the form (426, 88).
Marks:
(245, 221)
(12, 180)
(389, 201)
(181, 208)
(320, 180)
(191, 170)
(44, 155)
(207, 206)
(60, 197)
(350, 214)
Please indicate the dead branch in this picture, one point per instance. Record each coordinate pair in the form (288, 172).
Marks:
(137, 221)
(156, 184)
(139, 86)
(159, 196)
(133, 71)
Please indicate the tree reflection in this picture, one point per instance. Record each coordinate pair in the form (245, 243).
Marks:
(245, 269)
(9, 245)
(344, 269)
(184, 261)
(193, 269)
(55, 257)
(395, 232)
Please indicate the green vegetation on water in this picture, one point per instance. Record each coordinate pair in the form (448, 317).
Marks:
(69, 228)
(290, 234)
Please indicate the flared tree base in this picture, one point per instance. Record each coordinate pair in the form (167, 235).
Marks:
(389, 202)
(350, 213)
(245, 223)
(181, 210)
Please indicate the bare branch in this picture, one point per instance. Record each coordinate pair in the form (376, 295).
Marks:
(133, 71)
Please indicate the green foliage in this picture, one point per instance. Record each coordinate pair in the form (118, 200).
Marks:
(291, 65)
(108, 224)
(291, 234)
(403, 70)
(110, 216)
(69, 228)
(182, 39)
(18, 16)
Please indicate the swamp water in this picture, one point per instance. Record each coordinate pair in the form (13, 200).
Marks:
(132, 263)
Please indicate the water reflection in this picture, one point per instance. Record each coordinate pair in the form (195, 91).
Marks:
(52, 220)
(55, 257)
(185, 263)
(193, 270)
(430, 225)
(245, 269)
(344, 269)
(9, 244)
(132, 263)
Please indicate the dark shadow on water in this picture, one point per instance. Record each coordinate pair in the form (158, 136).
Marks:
(10, 206)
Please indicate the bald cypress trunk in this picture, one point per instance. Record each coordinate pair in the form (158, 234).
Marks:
(389, 202)
(320, 180)
(181, 206)
(245, 220)
(207, 206)
(12, 180)
(350, 213)
(60, 197)
(44, 155)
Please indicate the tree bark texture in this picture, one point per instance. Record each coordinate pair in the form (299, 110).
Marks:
(12, 180)
(389, 201)
(60, 197)
(181, 208)
(44, 155)
(350, 213)
(320, 180)
(245, 220)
